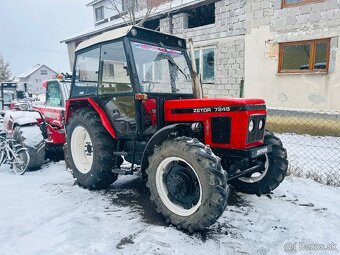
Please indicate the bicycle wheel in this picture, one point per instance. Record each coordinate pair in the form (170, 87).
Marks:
(21, 159)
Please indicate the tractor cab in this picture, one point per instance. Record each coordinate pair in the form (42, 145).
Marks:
(130, 72)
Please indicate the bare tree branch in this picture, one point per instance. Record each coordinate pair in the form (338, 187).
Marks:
(138, 11)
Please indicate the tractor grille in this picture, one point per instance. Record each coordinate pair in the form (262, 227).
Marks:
(220, 127)
(257, 134)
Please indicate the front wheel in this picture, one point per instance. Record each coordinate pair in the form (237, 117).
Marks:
(21, 159)
(187, 183)
(274, 170)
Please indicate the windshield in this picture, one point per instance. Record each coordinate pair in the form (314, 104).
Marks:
(161, 70)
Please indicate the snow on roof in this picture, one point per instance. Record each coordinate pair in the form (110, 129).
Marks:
(94, 2)
(32, 70)
(163, 9)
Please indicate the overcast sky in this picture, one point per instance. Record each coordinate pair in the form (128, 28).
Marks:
(31, 31)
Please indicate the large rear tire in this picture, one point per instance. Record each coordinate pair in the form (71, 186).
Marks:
(275, 169)
(89, 150)
(31, 137)
(187, 183)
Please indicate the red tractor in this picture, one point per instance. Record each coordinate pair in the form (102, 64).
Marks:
(133, 96)
(41, 129)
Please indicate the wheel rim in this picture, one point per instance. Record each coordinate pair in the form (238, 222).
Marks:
(178, 186)
(257, 176)
(20, 161)
(82, 149)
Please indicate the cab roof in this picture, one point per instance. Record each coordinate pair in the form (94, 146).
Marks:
(107, 36)
(143, 33)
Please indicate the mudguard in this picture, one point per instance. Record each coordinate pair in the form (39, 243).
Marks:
(158, 138)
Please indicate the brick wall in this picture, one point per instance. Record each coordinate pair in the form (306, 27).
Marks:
(310, 21)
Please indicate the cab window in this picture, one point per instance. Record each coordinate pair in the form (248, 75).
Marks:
(87, 73)
(53, 95)
(115, 77)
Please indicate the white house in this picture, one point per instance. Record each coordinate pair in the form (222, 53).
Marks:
(34, 76)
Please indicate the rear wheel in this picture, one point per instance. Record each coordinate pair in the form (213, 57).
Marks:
(274, 170)
(187, 183)
(89, 151)
(30, 137)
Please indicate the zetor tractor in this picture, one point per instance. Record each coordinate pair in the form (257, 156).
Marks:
(132, 96)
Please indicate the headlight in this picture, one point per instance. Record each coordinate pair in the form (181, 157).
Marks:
(251, 126)
(261, 124)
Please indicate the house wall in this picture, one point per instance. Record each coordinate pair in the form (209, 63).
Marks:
(268, 22)
(226, 35)
(34, 81)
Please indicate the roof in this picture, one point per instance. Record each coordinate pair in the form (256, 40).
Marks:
(94, 2)
(164, 9)
(32, 70)
(107, 36)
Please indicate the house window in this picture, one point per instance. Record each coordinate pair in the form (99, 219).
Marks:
(129, 4)
(304, 57)
(152, 24)
(201, 16)
(205, 64)
(43, 72)
(293, 3)
(99, 13)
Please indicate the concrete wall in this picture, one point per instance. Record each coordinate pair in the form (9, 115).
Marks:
(267, 22)
(226, 35)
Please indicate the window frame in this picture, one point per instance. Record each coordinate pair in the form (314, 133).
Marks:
(284, 3)
(200, 71)
(311, 69)
(102, 13)
(61, 95)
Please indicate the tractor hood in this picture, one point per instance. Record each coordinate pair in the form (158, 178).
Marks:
(211, 105)
(221, 117)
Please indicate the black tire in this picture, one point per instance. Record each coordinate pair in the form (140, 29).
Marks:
(211, 176)
(100, 175)
(31, 137)
(277, 169)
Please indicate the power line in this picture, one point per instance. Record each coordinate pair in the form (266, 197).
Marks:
(24, 47)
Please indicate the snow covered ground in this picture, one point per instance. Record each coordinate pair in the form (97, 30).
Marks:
(43, 213)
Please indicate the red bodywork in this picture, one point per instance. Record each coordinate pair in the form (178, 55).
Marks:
(54, 119)
(224, 108)
(228, 108)
(73, 104)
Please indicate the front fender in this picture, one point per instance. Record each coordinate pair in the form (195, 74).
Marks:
(158, 138)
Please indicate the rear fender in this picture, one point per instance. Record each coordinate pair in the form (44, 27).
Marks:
(74, 104)
(158, 138)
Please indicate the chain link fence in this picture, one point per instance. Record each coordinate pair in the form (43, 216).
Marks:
(312, 140)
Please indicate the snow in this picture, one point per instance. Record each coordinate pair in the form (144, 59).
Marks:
(33, 136)
(42, 212)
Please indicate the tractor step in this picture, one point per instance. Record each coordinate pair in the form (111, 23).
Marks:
(122, 171)
(120, 153)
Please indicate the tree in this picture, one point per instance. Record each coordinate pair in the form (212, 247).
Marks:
(5, 72)
(136, 12)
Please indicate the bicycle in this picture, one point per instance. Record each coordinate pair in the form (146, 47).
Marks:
(14, 154)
